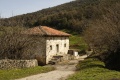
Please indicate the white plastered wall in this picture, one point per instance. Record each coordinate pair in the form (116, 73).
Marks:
(51, 46)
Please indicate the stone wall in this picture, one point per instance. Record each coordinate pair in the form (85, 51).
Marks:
(10, 64)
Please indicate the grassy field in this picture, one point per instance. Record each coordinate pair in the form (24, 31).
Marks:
(19, 73)
(77, 42)
(93, 69)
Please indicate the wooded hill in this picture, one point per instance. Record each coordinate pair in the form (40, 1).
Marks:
(75, 15)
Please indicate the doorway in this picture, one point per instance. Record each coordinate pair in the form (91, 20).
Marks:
(57, 48)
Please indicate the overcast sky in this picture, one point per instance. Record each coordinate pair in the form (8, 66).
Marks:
(17, 7)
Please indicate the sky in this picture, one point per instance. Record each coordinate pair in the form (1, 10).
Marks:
(9, 8)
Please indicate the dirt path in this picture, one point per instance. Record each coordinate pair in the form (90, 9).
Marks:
(61, 73)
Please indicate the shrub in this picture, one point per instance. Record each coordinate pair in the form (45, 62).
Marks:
(16, 45)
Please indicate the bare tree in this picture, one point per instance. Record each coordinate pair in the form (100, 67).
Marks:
(16, 45)
(104, 37)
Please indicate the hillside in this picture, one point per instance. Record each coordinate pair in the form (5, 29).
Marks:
(74, 15)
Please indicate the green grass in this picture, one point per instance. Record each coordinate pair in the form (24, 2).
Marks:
(19, 73)
(93, 69)
(77, 42)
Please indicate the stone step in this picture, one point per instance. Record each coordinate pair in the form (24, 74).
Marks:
(55, 59)
(52, 62)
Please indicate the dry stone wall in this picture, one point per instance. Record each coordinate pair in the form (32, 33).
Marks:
(10, 64)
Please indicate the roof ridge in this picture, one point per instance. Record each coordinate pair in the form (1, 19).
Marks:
(46, 31)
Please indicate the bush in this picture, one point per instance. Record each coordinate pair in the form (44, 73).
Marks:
(16, 45)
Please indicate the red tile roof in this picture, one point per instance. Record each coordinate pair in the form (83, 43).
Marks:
(45, 31)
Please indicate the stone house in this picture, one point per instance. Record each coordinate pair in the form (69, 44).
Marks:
(54, 42)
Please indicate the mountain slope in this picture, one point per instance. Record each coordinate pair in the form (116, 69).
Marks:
(74, 15)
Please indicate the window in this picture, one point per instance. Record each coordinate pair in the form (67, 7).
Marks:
(57, 48)
(61, 38)
(65, 38)
(50, 47)
(64, 45)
